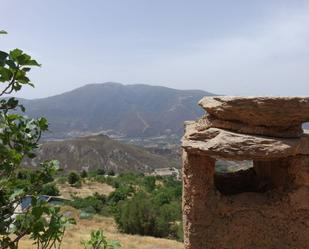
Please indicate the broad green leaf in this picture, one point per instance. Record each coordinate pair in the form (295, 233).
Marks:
(16, 53)
(5, 74)
(33, 63)
(3, 55)
(11, 64)
(23, 59)
(3, 32)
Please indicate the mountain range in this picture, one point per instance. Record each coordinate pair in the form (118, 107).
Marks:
(118, 110)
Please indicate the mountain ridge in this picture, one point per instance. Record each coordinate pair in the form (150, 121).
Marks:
(99, 152)
(118, 110)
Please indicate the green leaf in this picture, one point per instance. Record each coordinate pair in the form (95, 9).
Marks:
(43, 123)
(23, 59)
(11, 64)
(5, 74)
(14, 54)
(3, 56)
(26, 69)
(33, 63)
(3, 32)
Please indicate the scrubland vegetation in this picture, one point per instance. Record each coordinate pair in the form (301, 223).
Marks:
(129, 203)
(144, 205)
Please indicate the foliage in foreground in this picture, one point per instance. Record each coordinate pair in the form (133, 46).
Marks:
(99, 241)
(19, 138)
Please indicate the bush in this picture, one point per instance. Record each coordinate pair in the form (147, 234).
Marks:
(111, 172)
(141, 215)
(153, 210)
(62, 179)
(100, 172)
(137, 216)
(149, 183)
(73, 178)
(98, 241)
(83, 174)
(91, 204)
(120, 194)
(50, 189)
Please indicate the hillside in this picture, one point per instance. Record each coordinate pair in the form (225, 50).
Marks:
(99, 151)
(118, 110)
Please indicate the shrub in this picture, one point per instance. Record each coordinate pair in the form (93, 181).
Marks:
(73, 178)
(111, 172)
(62, 179)
(149, 183)
(98, 241)
(120, 194)
(137, 216)
(100, 172)
(91, 204)
(83, 174)
(50, 189)
(140, 215)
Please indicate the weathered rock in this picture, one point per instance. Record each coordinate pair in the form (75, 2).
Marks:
(259, 111)
(197, 184)
(223, 144)
(273, 131)
(277, 218)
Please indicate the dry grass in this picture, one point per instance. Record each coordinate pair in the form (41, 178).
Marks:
(88, 188)
(83, 228)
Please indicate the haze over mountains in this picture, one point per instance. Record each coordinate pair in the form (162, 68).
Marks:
(118, 110)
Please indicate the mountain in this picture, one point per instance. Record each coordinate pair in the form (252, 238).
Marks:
(93, 152)
(118, 110)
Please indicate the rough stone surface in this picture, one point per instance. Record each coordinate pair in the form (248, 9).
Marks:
(276, 219)
(223, 144)
(209, 121)
(266, 206)
(259, 111)
(198, 178)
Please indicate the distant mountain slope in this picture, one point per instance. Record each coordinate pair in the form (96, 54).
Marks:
(119, 110)
(99, 151)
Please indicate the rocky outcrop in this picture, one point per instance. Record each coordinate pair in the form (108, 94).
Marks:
(269, 205)
(224, 144)
(271, 116)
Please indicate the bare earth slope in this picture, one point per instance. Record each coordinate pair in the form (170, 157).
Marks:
(99, 151)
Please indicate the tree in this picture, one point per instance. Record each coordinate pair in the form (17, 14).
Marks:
(19, 138)
(73, 178)
(111, 172)
(83, 174)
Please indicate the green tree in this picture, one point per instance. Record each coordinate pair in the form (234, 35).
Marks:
(137, 215)
(50, 189)
(73, 178)
(19, 138)
(83, 174)
(111, 172)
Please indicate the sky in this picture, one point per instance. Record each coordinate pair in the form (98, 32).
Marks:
(225, 47)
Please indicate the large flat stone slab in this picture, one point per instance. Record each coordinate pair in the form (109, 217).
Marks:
(283, 112)
(227, 145)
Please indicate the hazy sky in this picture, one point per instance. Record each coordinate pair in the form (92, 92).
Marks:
(236, 47)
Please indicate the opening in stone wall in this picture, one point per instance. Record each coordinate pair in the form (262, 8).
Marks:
(234, 177)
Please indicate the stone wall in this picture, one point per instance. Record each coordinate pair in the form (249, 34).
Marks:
(274, 214)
